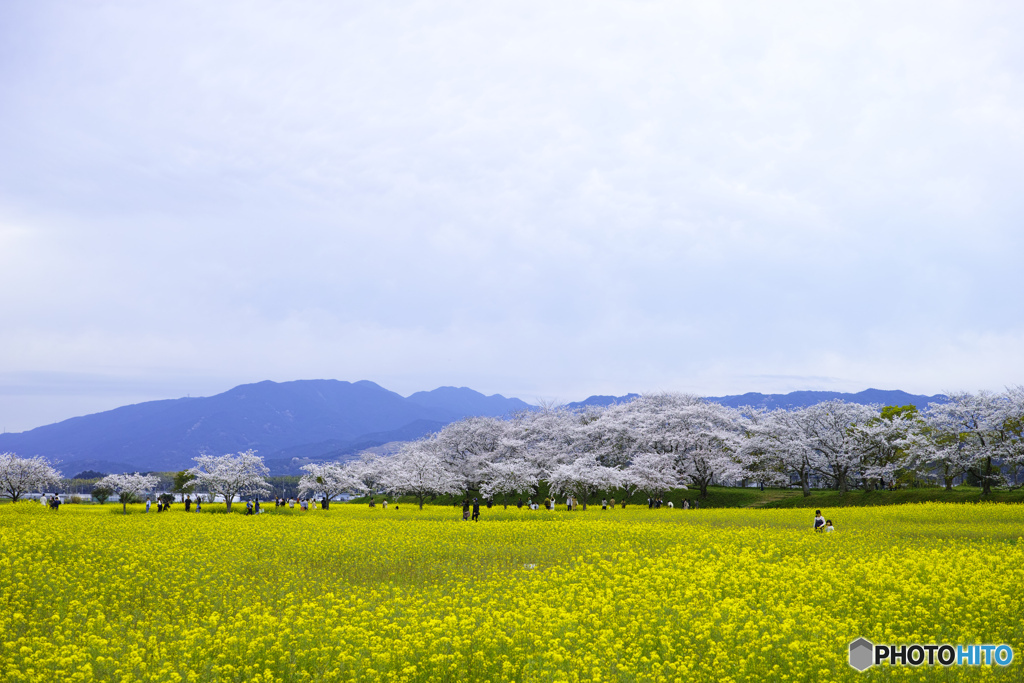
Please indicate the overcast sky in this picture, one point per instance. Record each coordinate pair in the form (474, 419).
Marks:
(541, 199)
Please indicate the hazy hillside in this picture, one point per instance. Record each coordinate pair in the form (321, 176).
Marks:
(796, 399)
(800, 399)
(300, 419)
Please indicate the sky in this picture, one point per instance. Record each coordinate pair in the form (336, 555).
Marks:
(543, 200)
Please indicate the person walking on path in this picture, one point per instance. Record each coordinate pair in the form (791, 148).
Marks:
(476, 510)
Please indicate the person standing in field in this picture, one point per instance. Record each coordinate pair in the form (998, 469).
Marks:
(476, 510)
(188, 503)
(819, 521)
(696, 503)
(148, 503)
(604, 504)
(686, 503)
(613, 503)
(199, 504)
(828, 526)
(465, 509)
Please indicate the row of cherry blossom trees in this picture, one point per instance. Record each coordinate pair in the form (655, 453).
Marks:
(662, 441)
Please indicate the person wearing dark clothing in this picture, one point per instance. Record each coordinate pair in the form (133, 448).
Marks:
(325, 503)
(819, 521)
(257, 510)
(465, 509)
(520, 504)
(188, 503)
(248, 507)
(476, 510)
(650, 503)
(489, 503)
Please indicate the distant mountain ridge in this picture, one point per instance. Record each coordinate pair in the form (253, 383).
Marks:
(292, 423)
(802, 399)
(795, 399)
(314, 418)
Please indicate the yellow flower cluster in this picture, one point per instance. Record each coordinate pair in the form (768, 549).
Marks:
(364, 594)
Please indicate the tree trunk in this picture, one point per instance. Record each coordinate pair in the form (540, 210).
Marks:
(227, 500)
(421, 501)
(805, 484)
(986, 482)
(704, 489)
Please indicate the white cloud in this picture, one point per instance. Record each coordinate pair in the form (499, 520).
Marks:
(540, 199)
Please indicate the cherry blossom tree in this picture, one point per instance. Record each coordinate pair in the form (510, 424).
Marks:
(419, 470)
(18, 475)
(128, 486)
(509, 477)
(652, 473)
(467, 446)
(882, 442)
(779, 440)
(370, 470)
(831, 431)
(331, 479)
(231, 475)
(978, 432)
(584, 477)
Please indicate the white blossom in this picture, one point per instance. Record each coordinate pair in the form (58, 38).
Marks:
(331, 479)
(128, 486)
(231, 475)
(419, 470)
(18, 475)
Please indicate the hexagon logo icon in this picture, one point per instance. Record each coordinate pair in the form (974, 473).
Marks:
(862, 654)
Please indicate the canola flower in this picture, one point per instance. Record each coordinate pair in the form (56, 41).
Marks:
(359, 594)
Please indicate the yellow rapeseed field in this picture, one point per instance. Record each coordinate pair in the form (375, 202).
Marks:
(354, 593)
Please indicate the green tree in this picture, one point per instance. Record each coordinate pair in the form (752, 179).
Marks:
(184, 482)
(102, 493)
